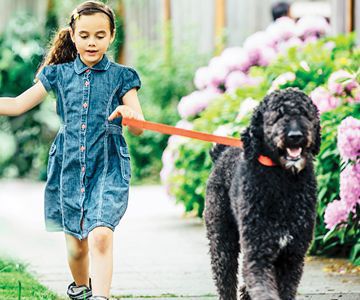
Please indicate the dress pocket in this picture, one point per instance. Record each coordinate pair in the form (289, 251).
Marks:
(51, 162)
(125, 162)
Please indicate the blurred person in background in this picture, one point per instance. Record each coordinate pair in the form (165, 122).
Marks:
(280, 9)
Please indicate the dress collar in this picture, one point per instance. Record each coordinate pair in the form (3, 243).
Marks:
(102, 65)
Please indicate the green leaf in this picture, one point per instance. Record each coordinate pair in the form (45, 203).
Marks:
(330, 234)
(355, 254)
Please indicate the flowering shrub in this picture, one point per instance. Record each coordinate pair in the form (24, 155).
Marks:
(340, 84)
(349, 139)
(325, 69)
(349, 148)
(342, 217)
(230, 70)
(337, 231)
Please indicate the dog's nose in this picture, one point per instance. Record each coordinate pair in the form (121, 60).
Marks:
(294, 135)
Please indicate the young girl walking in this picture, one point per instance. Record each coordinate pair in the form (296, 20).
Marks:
(88, 172)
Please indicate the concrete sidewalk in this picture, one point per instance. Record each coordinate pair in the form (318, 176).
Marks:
(158, 253)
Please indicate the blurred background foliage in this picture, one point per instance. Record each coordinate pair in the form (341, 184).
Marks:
(25, 138)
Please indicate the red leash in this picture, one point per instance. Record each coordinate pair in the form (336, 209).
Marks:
(171, 130)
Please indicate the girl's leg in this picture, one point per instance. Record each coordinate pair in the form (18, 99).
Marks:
(78, 259)
(101, 251)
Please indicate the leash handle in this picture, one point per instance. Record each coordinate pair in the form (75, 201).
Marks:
(171, 130)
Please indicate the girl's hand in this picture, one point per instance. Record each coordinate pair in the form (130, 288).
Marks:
(125, 112)
(131, 109)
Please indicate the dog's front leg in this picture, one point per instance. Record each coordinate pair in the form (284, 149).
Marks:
(259, 277)
(289, 269)
(223, 235)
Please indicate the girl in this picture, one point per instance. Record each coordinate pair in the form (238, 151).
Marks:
(86, 193)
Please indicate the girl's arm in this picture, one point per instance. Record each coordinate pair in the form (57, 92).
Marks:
(131, 109)
(27, 100)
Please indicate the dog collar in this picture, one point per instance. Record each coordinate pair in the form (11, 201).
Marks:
(266, 161)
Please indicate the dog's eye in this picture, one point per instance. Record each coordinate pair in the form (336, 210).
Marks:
(276, 119)
(306, 118)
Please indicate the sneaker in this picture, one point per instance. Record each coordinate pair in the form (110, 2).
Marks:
(81, 292)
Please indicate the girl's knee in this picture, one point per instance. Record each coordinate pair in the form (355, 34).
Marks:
(101, 240)
(76, 249)
(77, 252)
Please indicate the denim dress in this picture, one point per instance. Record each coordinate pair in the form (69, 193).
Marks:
(88, 171)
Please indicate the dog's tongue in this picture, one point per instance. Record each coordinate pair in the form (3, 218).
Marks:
(293, 152)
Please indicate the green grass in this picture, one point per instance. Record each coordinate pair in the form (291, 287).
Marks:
(17, 283)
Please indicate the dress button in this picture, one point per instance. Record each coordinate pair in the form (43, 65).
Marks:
(85, 105)
(82, 190)
(83, 169)
(87, 83)
(82, 148)
(83, 126)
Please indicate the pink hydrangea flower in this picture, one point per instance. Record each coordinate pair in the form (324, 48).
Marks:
(196, 102)
(311, 39)
(350, 186)
(258, 40)
(238, 79)
(337, 87)
(168, 158)
(171, 153)
(266, 56)
(184, 124)
(355, 93)
(282, 29)
(246, 107)
(218, 71)
(255, 44)
(224, 130)
(202, 78)
(168, 164)
(335, 213)
(349, 138)
(235, 80)
(236, 58)
(283, 47)
(282, 79)
(324, 100)
(316, 26)
(330, 45)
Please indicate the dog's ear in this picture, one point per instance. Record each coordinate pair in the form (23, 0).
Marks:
(317, 142)
(253, 135)
(246, 139)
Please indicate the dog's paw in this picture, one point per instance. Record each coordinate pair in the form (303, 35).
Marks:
(243, 295)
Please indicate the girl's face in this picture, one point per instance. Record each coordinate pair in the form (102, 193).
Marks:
(92, 37)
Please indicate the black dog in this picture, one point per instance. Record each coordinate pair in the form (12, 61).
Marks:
(262, 200)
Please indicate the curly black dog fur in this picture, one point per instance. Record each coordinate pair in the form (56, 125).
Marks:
(266, 211)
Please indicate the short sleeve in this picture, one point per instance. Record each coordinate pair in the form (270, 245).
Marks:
(48, 76)
(131, 80)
